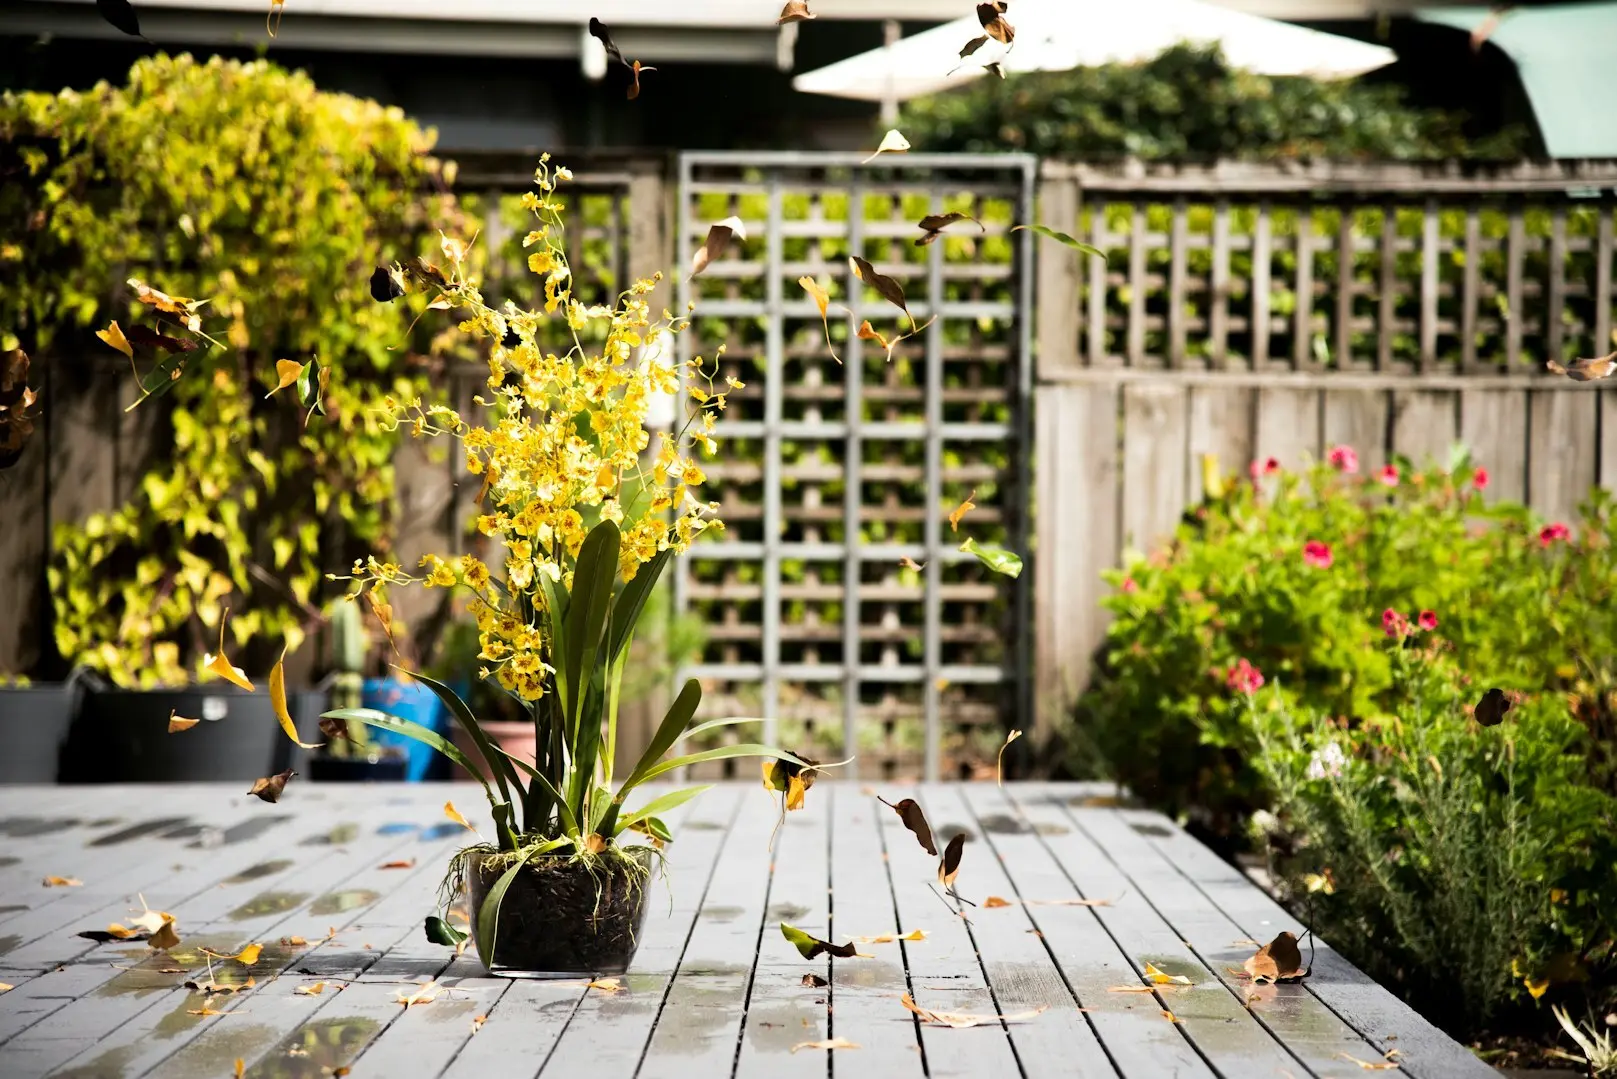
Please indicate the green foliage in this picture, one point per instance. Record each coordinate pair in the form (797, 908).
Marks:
(1468, 863)
(1189, 104)
(242, 184)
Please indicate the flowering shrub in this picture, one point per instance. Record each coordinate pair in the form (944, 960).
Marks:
(1467, 861)
(1297, 578)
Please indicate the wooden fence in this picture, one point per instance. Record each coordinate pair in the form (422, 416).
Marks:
(1258, 311)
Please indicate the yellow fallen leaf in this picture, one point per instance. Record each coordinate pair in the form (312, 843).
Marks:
(6, 987)
(994, 902)
(454, 814)
(114, 336)
(122, 932)
(294, 942)
(247, 956)
(310, 990)
(606, 985)
(221, 666)
(425, 993)
(286, 373)
(1170, 1017)
(203, 1011)
(959, 514)
(891, 938)
(961, 1020)
(277, 688)
(241, 1067)
(1157, 977)
(1370, 1065)
(891, 143)
(178, 723)
(831, 1043)
(477, 1022)
(63, 882)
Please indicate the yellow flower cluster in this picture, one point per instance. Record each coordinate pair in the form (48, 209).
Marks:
(565, 446)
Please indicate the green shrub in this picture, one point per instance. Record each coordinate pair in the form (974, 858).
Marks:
(1188, 103)
(1466, 863)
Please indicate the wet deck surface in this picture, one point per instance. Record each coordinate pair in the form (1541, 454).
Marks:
(715, 990)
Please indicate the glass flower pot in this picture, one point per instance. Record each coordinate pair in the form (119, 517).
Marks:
(562, 918)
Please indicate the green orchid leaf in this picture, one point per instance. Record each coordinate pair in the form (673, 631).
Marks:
(661, 804)
(997, 559)
(1062, 237)
(441, 932)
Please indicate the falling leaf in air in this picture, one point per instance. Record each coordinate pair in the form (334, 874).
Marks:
(1586, 370)
(148, 338)
(999, 762)
(270, 788)
(1371, 1065)
(398, 863)
(909, 563)
(440, 931)
(995, 67)
(1162, 977)
(822, 300)
(794, 11)
(313, 990)
(718, 238)
(949, 865)
(867, 332)
(962, 1020)
(1062, 237)
(892, 938)
(246, 957)
(790, 778)
(997, 559)
(286, 374)
(1490, 711)
(1278, 961)
(63, 882)
(891, 143)
(994, 902)
(814, 981)
(277, 690)
(600, 33)
(1484, 29)
(934, 224)
(831, 1043)
(958, 514)
(973, 45)
(890, 290)
(241, 1067)
(149, 920)
(181, 307)
(910, 812)
(17, 407)
(114, 336)
(812, 947)
(219, 665)
(1324, 881)
(636, 68)
(121, 14)
(272, 21)
(178, 723)
(387, 284)
(425, 993)
(455, 815)
(992, 18)
(165, 937)
(384, 614)
(477, 1022)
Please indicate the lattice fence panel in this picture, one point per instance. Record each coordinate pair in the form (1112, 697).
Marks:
(833, 469)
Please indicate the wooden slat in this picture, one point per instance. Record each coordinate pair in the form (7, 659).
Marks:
(1218, 287)
(1095, 275)
(1471, 288)
(1515, 257)
(1262, 296)
(1287, 426)
(1608, 440)
(1493, 424)
(1302, 346)
(1220, 424)
(1562, 451)
(1387, 288)
(1358, 418)
(1178, 302)
(1346, 282)
(1058, 280)
(1555, 308)
(1153, 465)
(1603, 297)
(1429, 285)
(1424, 425)
(1137, 287)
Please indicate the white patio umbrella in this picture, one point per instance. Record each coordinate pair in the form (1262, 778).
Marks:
(1058, 35)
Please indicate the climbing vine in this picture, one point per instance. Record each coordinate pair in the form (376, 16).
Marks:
(243, 184)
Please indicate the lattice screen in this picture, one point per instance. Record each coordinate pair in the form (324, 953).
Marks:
(830, 473)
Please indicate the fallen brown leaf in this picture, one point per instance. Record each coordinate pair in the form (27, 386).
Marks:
(398, 863)
(477, 1022)
(425, 993)
(1170, 1017)
(310, 990)
(63, 882)
(833, 1043)
(1370, 1065)
(1279, 960)
(961, 1020)
(994, 902)
(270, 788)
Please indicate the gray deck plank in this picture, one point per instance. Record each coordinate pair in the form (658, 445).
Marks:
(1232, 1042)
(1384, 1020)
(1129, 1025)
(781, 1010)
(607, 1035)
(1311, 1031)
(1020, 969)
(943, 969)
(865, 992)
(699, 1027)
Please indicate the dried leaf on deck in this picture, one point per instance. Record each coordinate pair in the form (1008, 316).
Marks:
(270, 788)
(247, 956)
(1279, 960)
(812, 947)
(794, 11)
(934, 224)
(1062, 237)
(6, 987)
(203, 1011)
(241, 1067)
(1069, 902)
(814, 981)
(892, 938)
(178, 723)
(961, 1020)
(1586, 370)
(294, 942)
(425, 993)
(398, 863)
(992, 18)
(909, 811)
(477, 1022)
(1371, 1065)
(1130, 989)
(220, 665)
(994, 902)
(1490, 710)
(960, 511)
(995, 558)
(606, 985)
(387, 284)
(313, 990)
(949, 865)
(832, 1043)
(891, 143)
(1161, 977)
(63, 882)
(890, 290)
(1170, 1017)
(999, 761)
(114, 336)
(822, 299)
(277, 690)
(718, 239)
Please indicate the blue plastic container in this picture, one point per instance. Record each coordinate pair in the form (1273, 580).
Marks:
(417, 703)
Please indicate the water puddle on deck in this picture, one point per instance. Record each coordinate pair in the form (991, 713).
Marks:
(776, 1030)
(1149, 829)
(337, 902)
(239, 833)
(259, 871)
(137, 831)
(268, 903)
(214, 1052)
(8, 860)
(345, 832)
(316, 1050)
(7, 943)
(25, 827)
(1004, 824)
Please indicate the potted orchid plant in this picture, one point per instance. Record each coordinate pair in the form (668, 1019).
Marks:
(587, 516)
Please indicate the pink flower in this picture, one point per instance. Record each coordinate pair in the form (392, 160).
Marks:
(1129, 585)
(1267, 467)
(1343, 459)
(1244, 678)
(1317, 554)
(1394, 624)
(1479, 478)
(1428, 620)
(1388, 476)
(1552, 532)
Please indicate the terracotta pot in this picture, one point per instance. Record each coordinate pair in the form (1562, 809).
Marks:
(515, 737)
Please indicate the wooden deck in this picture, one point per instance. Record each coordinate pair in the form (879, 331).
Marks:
(715, 989)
